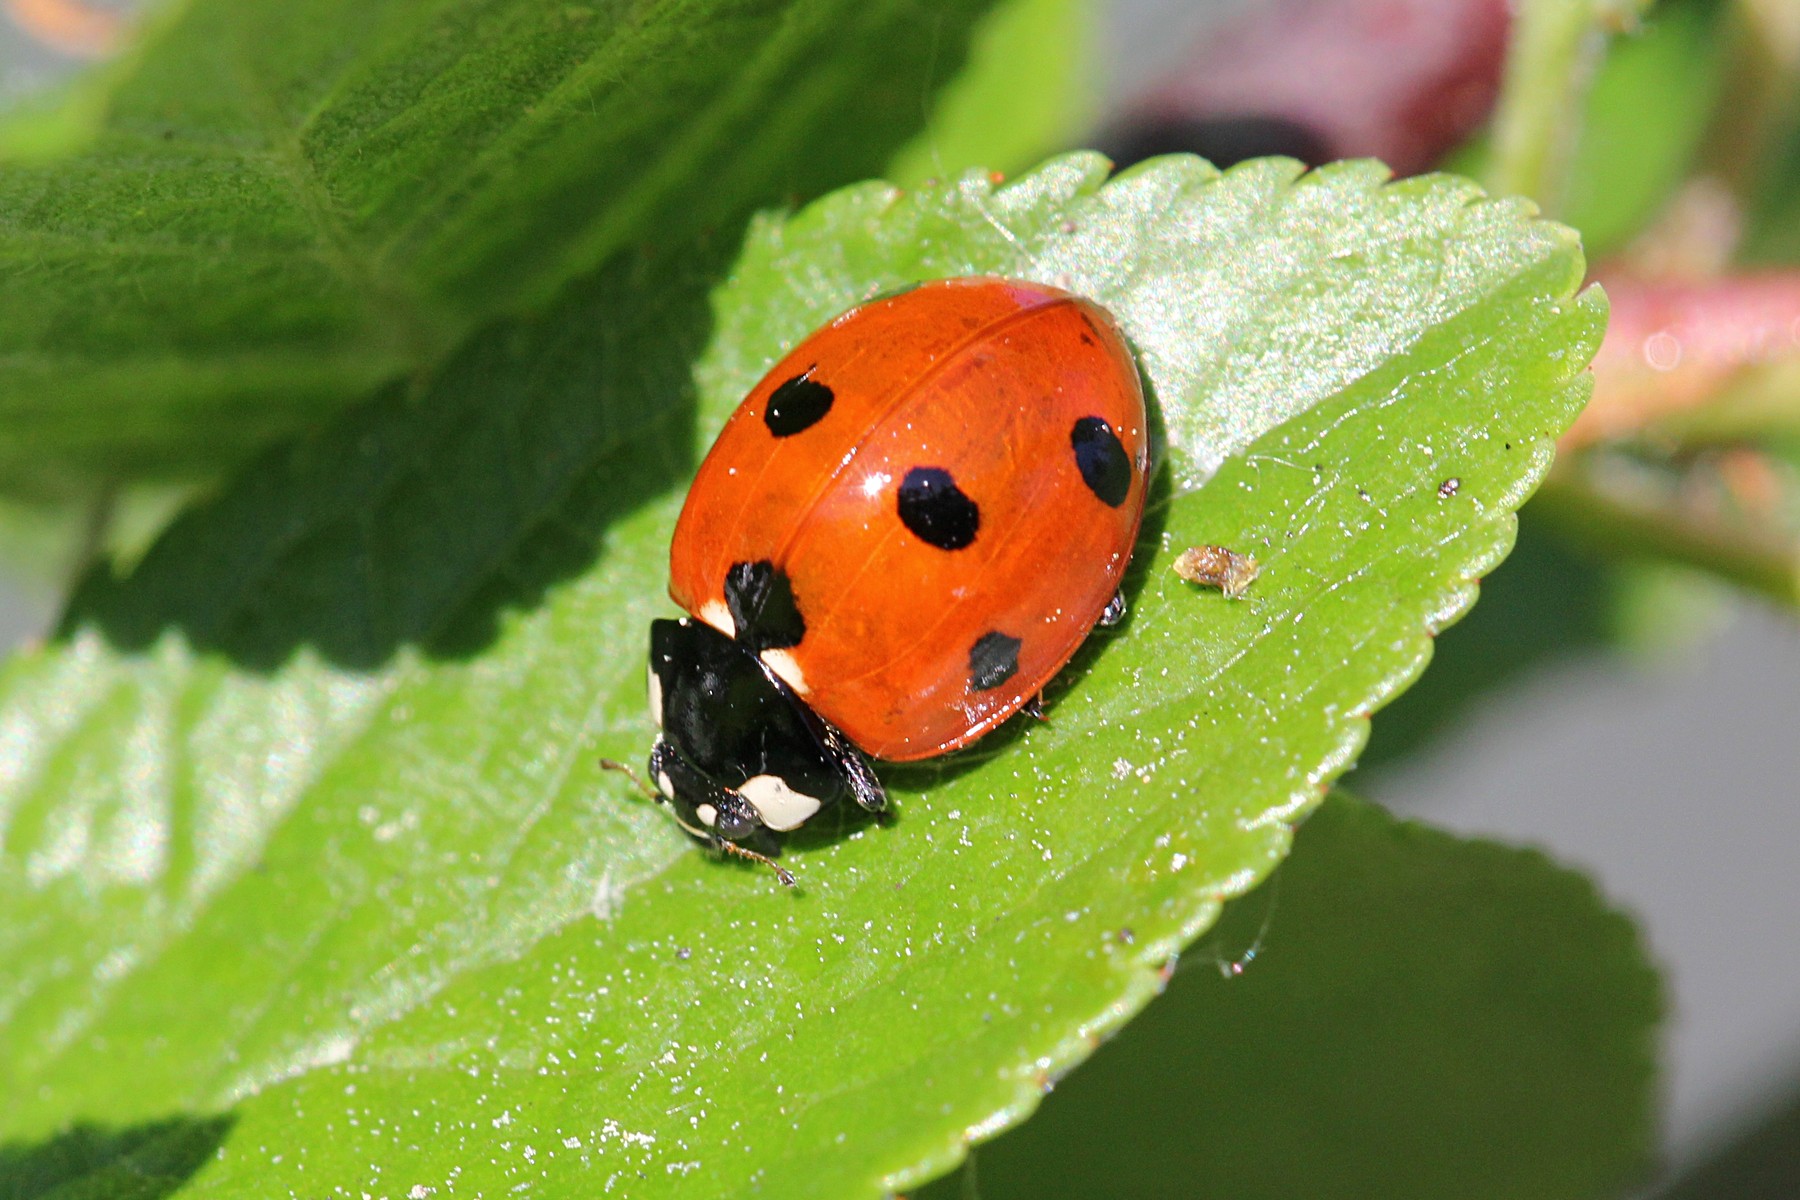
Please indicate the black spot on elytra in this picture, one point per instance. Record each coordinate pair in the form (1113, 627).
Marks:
(762, 606)
(797, 405)
(993, 659)
(936, 510)
(1104, 465)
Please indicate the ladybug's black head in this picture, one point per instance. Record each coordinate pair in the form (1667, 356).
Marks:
(739, 751)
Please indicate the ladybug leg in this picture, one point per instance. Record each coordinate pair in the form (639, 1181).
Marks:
(732, 848)
(865, 787)
(1034, 708)
(1114, 611)
(712, 813)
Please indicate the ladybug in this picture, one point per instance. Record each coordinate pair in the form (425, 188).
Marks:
(903, 532)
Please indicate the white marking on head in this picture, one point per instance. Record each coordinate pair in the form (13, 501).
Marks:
(780, 806)
(782, 663)
(665, 785)
(655, 696)
(708, 815)
(714, 613)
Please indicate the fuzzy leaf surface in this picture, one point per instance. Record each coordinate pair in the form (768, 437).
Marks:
(274, 208)
(304, 825)
(1028, 89)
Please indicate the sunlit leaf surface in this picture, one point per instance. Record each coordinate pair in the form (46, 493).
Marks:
(303, 820)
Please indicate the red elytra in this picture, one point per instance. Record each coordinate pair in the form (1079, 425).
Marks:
(950, 481)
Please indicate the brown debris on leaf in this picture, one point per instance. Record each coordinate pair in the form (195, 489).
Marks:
(1215, 566)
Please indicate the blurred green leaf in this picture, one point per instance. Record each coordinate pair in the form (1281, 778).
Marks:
(45, 546)
(1647, 112)
(1550, 62)
(304, 822)
(1758, 148)
(287, 205)
(1029, 88)
(1552, 603)
(1546, 604)
(1759, 1160)
(145, 1162)
(1773, 233)
(1398, 1013)
(1734, 515)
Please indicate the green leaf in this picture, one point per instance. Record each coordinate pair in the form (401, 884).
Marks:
(1399, 1013)
(289, 204)
(1548, 604)
(1647, 112)
(304, 819)
(1554, 48)
(1754, 1158)
(1029, 89)
(46, 547)
(1691, 511)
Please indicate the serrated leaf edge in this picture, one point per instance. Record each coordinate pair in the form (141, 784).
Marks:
(1146, 973)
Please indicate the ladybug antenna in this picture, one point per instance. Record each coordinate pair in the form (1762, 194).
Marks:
(781, 873)
(650, 793)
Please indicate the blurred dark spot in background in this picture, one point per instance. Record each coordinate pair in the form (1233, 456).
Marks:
(1404, 81)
